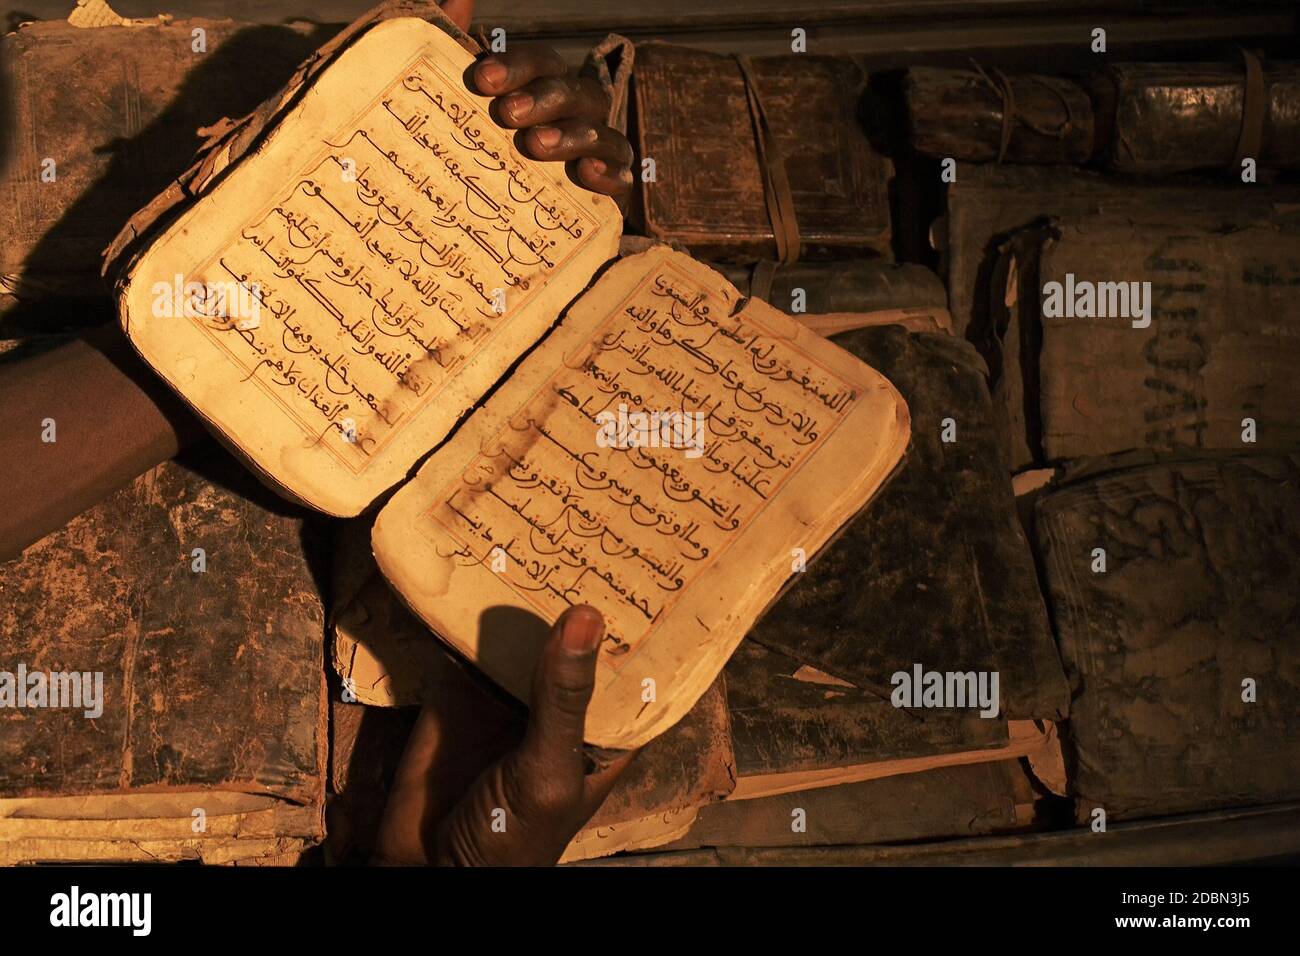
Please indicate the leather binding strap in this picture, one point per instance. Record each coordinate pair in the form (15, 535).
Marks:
(760, 279)
(1253, 109)
(1002, 86)
(776, 185)
(610, 64)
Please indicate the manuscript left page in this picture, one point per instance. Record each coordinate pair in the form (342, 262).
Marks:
(355, 284)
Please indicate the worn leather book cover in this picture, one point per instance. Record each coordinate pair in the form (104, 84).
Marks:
(988, 116)
(850, 285)
(1206, 362)
(830, 298)
(938, 571)
(795, 728)
(1183, 654)
(693, 119)
(77, 159)
(989, 203)
(1173, 117)
(944, 803)
(191, 598)
(689, 767)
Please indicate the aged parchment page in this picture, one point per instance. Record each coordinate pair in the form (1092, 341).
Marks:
(680, 537)
(356, 284)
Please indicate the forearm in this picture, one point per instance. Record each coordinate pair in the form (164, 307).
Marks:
(110, 417)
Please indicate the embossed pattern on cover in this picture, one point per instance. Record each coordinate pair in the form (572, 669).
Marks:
(694, 123)
(1200, 593)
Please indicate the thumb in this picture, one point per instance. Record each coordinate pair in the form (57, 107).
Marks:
(562, 688)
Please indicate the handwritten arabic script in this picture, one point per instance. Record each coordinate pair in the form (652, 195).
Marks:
(401, 248)
(629, 529)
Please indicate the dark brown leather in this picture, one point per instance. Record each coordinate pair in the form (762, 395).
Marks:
(776, 184)
(693, 120)
(1201, 591)
(936, 570)
(211, 679)
(990, 116)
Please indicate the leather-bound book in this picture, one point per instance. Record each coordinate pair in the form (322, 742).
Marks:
(172, 702)
(989, 203)
(693, 120)
(98, 121)
(795, 728)
(1173, 587)
(987, 116)
(1161, 118)
(947, 802)
(937, 571)
(845, 286)
(1163, 332)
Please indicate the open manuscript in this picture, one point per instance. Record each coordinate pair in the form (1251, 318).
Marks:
(670, 453)
(358, 281)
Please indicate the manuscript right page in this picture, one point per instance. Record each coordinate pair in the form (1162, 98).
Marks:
(766, 439)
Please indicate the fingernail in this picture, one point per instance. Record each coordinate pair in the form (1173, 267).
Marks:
(598, 166)
(492, 72)
(548, 136)
(625, 175)
(518, 106)
(582, 630)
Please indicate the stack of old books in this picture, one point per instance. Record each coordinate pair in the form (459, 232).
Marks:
(933, 577)
(163, 690)
(1141, 335)
(162, 693)
(828, 622)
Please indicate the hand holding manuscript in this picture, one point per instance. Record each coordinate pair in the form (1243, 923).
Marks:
(671, 453)
(681, 540)
(356, 283)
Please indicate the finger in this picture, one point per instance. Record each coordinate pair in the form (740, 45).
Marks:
(600, 177)
(573, 139)
(552, 98)
(503, 73)
(562, 688)
(601, 157)
(492, 826)
(460, 731)
(461, 12)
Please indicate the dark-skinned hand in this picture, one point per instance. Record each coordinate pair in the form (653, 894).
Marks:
(560, 115)
(530, 801)
(466, 766)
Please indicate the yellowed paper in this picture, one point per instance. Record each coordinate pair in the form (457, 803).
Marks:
(641, 834)
(157, 827)
(679, 537)
(340, 300)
